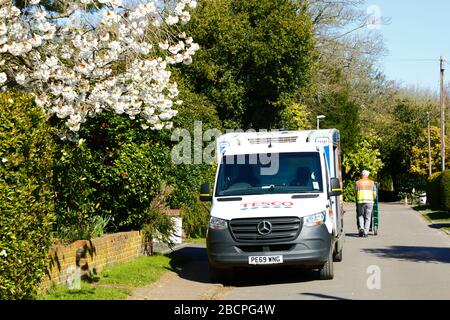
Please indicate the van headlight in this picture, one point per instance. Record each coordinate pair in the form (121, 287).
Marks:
(315, 219)
(217, 224)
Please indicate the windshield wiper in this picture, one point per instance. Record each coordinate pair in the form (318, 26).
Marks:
(270, 188)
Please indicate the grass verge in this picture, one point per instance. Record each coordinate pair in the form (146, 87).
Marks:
(438, 219)
(86, 292)
(196, 240)
(117, 282)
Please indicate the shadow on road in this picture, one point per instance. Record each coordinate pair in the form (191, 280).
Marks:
(417, 254)
(271, 276)
(439, 225)
(191, 263)
(352, 235)
(322, 296)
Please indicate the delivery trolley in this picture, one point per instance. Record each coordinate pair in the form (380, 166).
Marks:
(375, 214)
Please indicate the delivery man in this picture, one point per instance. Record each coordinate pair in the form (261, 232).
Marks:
(365, 192)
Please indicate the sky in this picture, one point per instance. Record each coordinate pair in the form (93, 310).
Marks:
(417, 35)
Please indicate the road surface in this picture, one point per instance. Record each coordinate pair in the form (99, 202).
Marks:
(407, 260)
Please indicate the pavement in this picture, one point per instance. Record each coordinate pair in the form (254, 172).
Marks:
(409, 259)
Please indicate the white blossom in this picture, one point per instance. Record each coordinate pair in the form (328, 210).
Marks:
(193, 4)
(3, 78)
(39, 15)
(3, 253)
(159, 126)
(70, 68)
(21, 79)
(171, 20)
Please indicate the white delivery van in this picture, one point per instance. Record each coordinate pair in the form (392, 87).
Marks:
(276, 202)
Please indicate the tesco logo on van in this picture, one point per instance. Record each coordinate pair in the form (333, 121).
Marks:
(267, 205)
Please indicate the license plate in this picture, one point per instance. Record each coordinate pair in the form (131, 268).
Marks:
(265, 260)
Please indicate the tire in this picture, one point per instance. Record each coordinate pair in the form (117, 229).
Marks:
(327, 270)
(338, 256)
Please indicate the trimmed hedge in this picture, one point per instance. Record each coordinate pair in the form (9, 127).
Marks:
(26, 203)
(433, 191)
(445, 190)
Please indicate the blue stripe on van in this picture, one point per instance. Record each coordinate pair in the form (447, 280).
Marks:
(327, 154)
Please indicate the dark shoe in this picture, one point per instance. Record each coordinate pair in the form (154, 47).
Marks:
(361, 233)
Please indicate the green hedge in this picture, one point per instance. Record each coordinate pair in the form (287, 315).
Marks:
(26, 203)
(116, 169)
(195, 219)
(445, 190)
(434, 191)
(112, 172)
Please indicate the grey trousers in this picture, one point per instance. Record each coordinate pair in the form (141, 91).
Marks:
(364, 216)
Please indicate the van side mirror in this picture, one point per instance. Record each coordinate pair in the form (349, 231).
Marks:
(205, 193)
(336, 189)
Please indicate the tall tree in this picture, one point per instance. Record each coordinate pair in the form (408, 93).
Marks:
(253, 53)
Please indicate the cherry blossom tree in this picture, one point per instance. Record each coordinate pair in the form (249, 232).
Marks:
(97, 56)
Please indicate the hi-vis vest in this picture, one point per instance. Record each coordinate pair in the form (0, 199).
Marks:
(365, 191)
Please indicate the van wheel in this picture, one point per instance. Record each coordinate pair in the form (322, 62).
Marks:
(327, 272)
(338, 256)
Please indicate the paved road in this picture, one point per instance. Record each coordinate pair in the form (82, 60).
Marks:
(411, 260)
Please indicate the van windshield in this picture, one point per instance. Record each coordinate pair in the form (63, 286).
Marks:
(277, 173)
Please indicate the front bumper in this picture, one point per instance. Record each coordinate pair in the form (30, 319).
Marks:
(310, 249)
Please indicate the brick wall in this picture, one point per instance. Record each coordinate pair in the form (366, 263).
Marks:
(91, 256)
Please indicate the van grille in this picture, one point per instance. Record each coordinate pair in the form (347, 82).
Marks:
(283, 229)
(273, 140)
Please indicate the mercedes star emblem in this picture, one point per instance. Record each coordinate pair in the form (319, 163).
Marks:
(264, 228)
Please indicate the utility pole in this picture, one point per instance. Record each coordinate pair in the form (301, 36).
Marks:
(430, 170)
(442, 115)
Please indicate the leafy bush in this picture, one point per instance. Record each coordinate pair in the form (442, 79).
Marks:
(187, 178)
(349, 191)
(434, 191)
(445, 190)
(89, 228)
(294, 115)
(113, 171)
(195, 219)
(26, 203)
(157, 223)
(116, 168)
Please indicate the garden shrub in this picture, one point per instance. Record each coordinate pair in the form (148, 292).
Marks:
(26, 203)
(445, 190)
(187, 178)
(349, 191)
(433, 191)
(195, 219)
(158, 225)
(113, 171)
